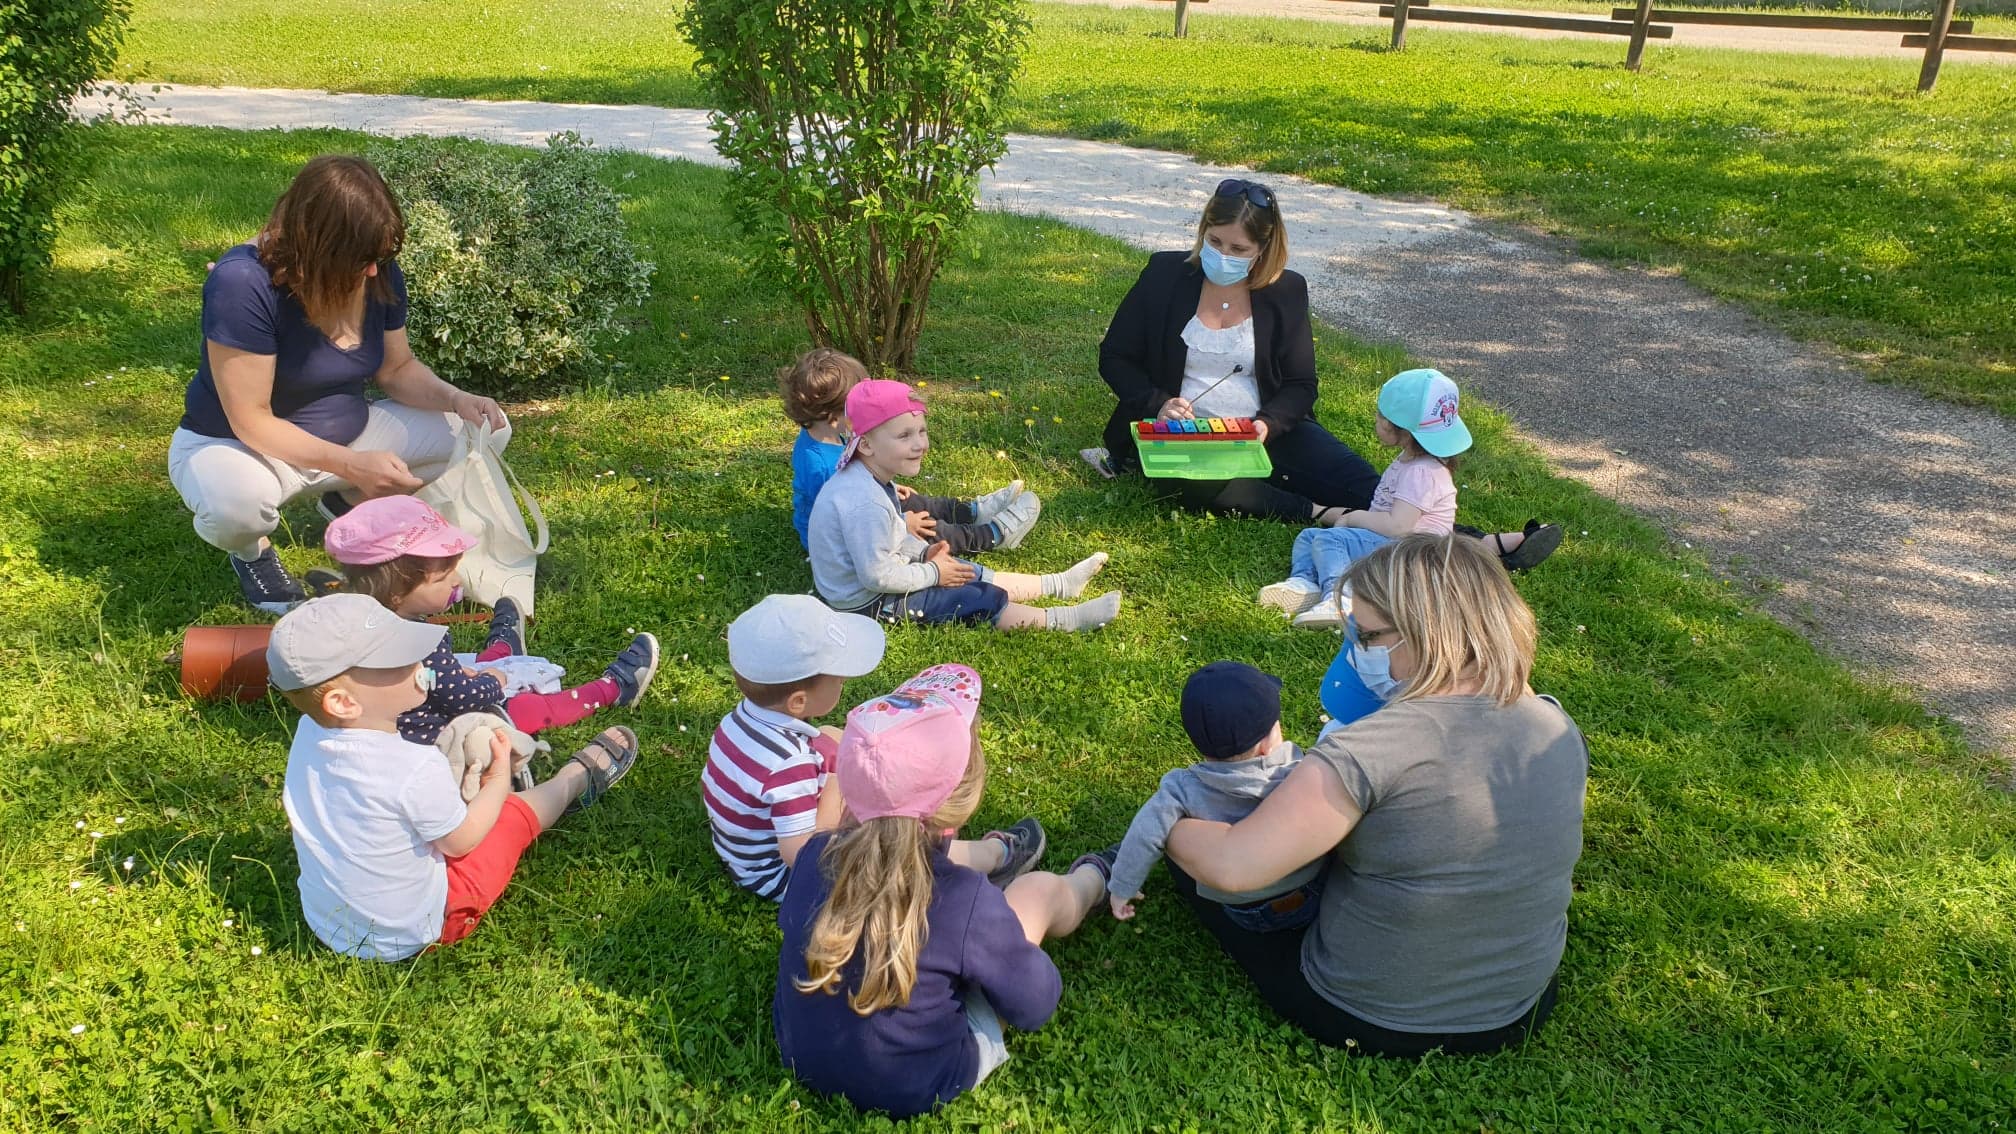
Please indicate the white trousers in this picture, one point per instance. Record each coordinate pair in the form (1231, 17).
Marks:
(237, 494)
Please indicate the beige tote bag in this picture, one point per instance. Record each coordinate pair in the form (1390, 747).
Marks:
(481, 495)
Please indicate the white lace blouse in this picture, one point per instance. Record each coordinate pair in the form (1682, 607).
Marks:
(1212, 355)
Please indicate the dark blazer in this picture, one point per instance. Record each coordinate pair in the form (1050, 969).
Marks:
(1143, 353)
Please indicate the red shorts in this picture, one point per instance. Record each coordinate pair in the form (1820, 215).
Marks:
(477, 879)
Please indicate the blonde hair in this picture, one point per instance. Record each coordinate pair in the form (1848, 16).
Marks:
(879, 874)
(1263, 226)
(1452, 602)
(815, 387)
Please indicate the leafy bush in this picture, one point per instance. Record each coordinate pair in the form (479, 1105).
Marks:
(49, 50)
(515, 267)
(858, 129)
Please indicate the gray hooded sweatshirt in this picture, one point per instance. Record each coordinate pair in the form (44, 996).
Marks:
(1224, 791)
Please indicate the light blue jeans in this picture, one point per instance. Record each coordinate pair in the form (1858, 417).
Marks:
(986, 1028)
(1322, 554)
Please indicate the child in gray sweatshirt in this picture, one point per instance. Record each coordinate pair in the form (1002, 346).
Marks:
(1232, 712)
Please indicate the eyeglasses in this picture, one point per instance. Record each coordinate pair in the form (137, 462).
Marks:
(1259, 195)
(1370, 638)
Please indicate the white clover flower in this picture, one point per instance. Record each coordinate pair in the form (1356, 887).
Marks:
(255, 950)
(76, 885)
(76, 1029)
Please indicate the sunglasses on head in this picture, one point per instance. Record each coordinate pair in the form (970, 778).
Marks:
(1259, 195)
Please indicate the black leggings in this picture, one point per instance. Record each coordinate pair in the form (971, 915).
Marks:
(956, 523)
(1311, 467)
(1273, 962)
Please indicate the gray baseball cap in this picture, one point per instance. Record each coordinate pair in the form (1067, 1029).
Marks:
(329, 636)
(789, 638)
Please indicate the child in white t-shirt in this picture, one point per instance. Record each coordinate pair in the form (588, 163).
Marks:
(392, 860)
(1416, 494)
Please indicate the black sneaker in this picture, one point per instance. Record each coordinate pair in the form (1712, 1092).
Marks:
(634, 668)
(507, 625)
(322, 581)
(267, 584)
(333, 505)
(1024, 842)
(1099, 860)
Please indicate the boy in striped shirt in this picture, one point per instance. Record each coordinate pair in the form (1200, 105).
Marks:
(768, 782)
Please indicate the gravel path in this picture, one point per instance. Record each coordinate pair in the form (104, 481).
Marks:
(1879, 45)
(1879, 519)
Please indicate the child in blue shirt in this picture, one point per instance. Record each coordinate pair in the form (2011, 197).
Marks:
(815, 396)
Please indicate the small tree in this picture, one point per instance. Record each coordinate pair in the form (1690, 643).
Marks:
(49, 51)
(858, 129)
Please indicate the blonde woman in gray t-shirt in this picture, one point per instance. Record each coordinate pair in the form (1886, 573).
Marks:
(1451, 819)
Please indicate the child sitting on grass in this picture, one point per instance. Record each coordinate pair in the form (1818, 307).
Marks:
(1416, 494)
(403, 553)
(898, 965)
(815, 397)
(1232, 712)
(768, 783)
(866, 562)
(392, 860)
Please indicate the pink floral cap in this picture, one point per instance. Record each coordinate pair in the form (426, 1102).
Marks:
(902, 754)
(381, 530)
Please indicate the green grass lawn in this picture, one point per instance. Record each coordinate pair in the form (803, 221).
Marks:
(1819, 192)
(1792, 912)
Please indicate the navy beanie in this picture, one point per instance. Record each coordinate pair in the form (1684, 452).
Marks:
(1228, 707)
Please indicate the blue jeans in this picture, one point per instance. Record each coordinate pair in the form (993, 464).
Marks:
(1322, 554)
(977, 601)
(1291, 910)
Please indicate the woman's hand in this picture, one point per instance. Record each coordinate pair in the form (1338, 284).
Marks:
(476, 409)
(377, 472)
(1176, 409)
(1260, 427)
(1299, 822)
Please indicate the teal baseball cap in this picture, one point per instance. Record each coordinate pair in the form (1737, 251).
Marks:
(1424, 403)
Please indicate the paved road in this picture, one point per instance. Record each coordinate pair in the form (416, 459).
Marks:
(1883, 45)
(1882, 519)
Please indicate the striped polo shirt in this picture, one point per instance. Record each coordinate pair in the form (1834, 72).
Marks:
(762, 780)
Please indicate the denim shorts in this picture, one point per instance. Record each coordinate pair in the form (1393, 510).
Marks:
(972, 603)
(1291, 910)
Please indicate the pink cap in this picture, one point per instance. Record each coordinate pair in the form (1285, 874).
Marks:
(901, 755)
(381, 530)
(874, 402)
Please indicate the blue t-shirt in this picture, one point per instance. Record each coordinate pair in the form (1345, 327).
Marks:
(316, 384)
(813, 463)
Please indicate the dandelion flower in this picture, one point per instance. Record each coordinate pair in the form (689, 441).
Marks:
(1028, 421)
(1054, 420)
(724, 378)
(994, 394)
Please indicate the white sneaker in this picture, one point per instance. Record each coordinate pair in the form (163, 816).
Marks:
(1290, 596)
(1017, 518)
(989, 507)
(1324, 615)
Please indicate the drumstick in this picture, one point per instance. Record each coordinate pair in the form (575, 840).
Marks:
(1236, 368)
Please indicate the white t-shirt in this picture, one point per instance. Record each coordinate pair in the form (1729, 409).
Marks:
(366, 808)
(1211, 355)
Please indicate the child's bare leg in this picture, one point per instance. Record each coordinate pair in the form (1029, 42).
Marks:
(983, 855)
(1062, 584)
(1052, 905)
(549, 799)
(1088, 615)
(1504, 543)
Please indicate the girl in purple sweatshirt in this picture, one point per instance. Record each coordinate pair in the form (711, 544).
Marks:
(899, 966)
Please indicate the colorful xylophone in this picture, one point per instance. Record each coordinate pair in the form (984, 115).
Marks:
(1198, 429)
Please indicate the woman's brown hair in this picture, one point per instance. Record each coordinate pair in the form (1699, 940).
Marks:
(1262, 225)
(1450, 600)
(337, 219)
(879, 876)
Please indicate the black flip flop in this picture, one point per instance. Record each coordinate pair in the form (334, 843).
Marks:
(1540, 542)
(600, 780)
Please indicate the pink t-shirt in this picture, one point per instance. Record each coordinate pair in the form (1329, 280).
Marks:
(1424, 483)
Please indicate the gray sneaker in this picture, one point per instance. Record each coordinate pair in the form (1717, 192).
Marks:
(1016, 519)
(1025, 842)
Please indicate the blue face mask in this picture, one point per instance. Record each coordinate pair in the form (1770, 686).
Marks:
(425, 679)
(1221, 269)
(1373, 664)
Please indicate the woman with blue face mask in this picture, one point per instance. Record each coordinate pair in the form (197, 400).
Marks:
(1222, 330)
(1449, 820)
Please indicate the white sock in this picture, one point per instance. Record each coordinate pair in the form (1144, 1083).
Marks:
(1086, 615)
(1071, 583)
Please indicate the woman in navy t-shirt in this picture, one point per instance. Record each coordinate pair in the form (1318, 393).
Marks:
(297, 322)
